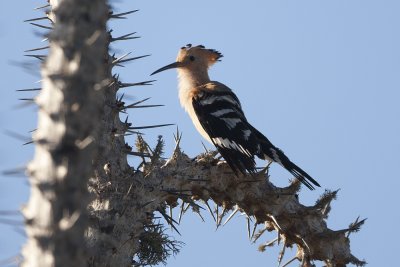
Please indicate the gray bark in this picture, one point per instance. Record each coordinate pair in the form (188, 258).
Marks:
(69, 107)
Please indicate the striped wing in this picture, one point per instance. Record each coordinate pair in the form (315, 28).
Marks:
(221, 116)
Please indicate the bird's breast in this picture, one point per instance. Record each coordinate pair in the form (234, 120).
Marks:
(186, 93)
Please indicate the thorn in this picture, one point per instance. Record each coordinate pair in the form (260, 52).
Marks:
(121, 15)
(115, 62)
(125, 37)
(40, 7)
(123, 85)
(37, 49)
(217, 214)
(27, 99)
(275, 221)
(16, 171)
(265, 169)
(28, 143)
(40, 57)
(259, 234)
(248, 226)
(254, 230)
(181, 212)
(41, 26)
(196, 209)
(36, 19)
(271, 243)
(177, 139)
(209, 209)
(169, 220)
(289, 262)
(282, 252)
(187, 207)
(305, 243)
(29, 89)
(221, 216)
(205, 148)
(231, 216)
(142, 106)
(150, 126)
(170, 213)
(355, 226)
(132, 153)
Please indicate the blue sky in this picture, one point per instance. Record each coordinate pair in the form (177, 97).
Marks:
(319, 78)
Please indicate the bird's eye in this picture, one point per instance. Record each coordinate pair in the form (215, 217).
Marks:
(192, 58)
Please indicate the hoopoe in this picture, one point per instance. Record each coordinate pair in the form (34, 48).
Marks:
(217, 114)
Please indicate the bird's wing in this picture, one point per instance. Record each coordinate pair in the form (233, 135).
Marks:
(221, 116)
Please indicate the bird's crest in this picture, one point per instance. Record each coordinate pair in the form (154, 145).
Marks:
(199, 52)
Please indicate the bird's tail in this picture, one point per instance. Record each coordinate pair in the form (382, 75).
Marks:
(301, 175)
(278, 156)
(269, 151)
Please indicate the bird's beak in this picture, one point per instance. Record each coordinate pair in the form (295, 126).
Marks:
(170, 66)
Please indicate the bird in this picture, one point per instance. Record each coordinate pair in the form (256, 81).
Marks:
(217, 114)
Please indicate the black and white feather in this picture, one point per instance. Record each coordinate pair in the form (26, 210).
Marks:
(220, 114)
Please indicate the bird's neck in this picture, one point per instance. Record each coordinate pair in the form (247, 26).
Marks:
(192, 78)
(188, 80)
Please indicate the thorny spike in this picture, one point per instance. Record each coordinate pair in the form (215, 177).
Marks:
(259, 234)
(254, 230)
(123, 85)
(29, 89)
(177, 138)
(40, 57)
(121, 15)
(271, 243)
(150, 126)
(221, 216)
(187, 207)
(217, 214)
(132, 153)
(248, 226)
(282, 252)
(142, 106)
(141, 101)
(40, 7)
(289, 262)
(41, 26)
(128, 59)
(27, 99)
(170, 213)
(209, 209)
(36, 19)
(28, 143)
(37, 49)
(117, 60)
(355, 226)
(15, 171)
(231, 216)
(205, 148)
(169, 220)
(197, 210)
(265, 169)
(125, 37)
(181, 212)
(275, 221)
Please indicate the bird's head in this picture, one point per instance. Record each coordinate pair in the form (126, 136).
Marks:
(195, 58)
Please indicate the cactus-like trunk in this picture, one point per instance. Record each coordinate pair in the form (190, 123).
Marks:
(70, 104)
